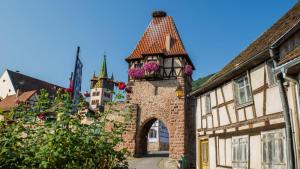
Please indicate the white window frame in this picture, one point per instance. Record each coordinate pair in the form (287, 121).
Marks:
(237, 143)
(237, 89)
(273, 141)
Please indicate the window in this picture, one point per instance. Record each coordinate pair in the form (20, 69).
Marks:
(240, 152)
(273, 149)
(96, 93)
(224, 151)
(138, 65)
(208, 103)
(271, 77)
(95, 102)
(152, 133)
(242, 90)
(152, 59)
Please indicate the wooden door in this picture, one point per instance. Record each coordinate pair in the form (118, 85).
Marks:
(204, 154)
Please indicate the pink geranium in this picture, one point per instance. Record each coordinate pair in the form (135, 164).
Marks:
(151, 67)
(188, 70)
(136, 73)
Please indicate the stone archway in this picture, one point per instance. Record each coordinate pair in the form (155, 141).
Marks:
(142, 136)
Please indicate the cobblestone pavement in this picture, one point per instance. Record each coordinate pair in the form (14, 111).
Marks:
(151, 161)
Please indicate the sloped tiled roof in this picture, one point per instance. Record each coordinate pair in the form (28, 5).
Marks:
(10, 101)
(263, 43)
(154, 39)
(26, 83)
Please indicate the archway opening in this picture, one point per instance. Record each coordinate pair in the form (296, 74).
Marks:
(153, 139)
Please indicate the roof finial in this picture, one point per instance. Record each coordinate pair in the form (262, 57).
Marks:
(103, 71)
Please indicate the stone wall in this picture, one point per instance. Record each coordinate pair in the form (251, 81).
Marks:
(157, 100)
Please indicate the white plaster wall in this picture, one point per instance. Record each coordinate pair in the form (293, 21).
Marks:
(249, 113)
(215, 117)
(198, 114)
(203, 105)
(228, 91)
(219, 95)
(213, 98)
(204, 123)
(273, 102)
(6, 85)
(212, 153)
(231, 110)
(241, 115)
(95, 97)
(222, 153)
(255, 152)
(209, 121)
(258, 101)
(177, 62)
(228, 152)
(257, 76)
(224, 120)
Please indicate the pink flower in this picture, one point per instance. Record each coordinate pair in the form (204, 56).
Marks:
(151, 67)
(188, 70)
(136, 73)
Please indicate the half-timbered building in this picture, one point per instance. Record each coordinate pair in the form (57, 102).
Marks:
(246, 114)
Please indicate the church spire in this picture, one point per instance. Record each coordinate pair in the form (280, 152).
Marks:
(103, 71)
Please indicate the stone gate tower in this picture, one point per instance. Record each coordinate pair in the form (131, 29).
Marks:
(160, 79)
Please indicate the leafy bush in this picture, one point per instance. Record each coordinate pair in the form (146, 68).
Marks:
(50, 135)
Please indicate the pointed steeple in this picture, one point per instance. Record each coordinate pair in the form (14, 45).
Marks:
(112, 76)
(103, 71)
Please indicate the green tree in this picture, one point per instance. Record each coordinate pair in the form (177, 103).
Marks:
(50, 135)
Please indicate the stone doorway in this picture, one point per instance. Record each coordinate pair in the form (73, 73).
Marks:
(153, 139)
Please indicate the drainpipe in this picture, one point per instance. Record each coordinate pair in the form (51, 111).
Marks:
(290, 146)
(286, 113)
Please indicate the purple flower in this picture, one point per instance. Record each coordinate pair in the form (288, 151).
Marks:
(136, 73)
(188, 70)
(151, 67)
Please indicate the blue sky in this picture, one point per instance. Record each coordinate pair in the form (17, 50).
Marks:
(39, 38)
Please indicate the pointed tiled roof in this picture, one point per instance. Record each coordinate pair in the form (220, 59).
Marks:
(154, 38)
(103, 71)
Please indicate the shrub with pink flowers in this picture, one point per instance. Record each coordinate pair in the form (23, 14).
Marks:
(188, 70)
(151, 67)
(136, 73)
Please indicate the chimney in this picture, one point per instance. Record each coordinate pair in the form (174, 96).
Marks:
(157, 14)
(168, 43)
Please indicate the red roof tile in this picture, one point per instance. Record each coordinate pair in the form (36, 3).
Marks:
(154, 39)
(10, 101)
